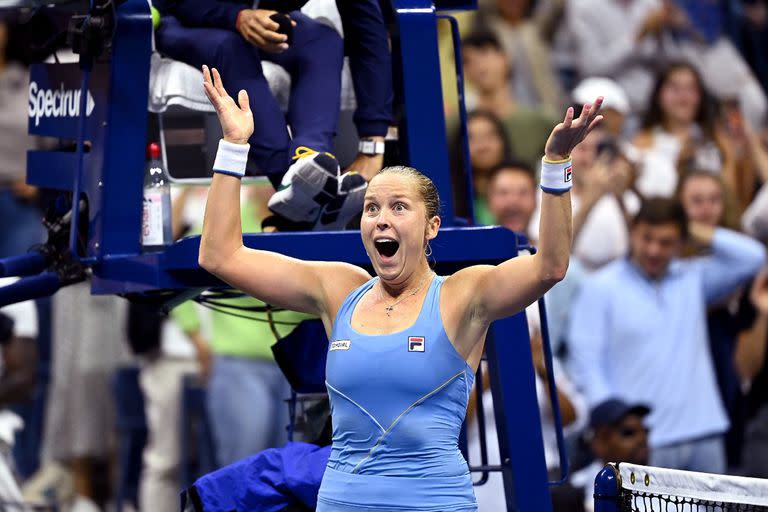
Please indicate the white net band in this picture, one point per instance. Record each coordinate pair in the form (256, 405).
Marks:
(702, 487)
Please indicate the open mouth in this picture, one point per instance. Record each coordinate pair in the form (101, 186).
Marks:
(386, 247)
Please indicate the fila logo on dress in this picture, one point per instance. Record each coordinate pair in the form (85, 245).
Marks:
(416, 344)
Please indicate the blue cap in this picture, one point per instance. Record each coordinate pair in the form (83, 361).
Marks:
(612, 411)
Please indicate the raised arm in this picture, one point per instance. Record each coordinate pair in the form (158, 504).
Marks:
(735, 259)
(310, 287)
(503, 290)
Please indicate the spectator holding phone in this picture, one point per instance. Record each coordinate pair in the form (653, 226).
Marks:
(235, 38)
(602, 200)
(748, 153)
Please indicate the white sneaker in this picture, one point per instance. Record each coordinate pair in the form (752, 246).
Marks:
(347, 204)
(309, 185)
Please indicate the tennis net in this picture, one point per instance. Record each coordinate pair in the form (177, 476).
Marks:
(633, 488)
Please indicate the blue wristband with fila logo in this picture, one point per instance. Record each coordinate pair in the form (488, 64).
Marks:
(556, 177)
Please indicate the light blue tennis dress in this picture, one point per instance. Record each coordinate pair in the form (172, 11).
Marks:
(398, 401)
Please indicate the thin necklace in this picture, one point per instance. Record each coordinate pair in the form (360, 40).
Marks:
(390, 307)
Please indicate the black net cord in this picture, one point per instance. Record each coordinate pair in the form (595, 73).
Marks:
(633, 501)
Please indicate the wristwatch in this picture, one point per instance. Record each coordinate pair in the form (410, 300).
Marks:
(370, 147)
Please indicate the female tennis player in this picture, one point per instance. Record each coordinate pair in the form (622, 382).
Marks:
(405, 343)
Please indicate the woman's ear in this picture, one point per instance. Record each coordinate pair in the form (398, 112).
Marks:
(433, 225)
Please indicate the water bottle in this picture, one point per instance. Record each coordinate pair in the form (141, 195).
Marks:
(156, 231)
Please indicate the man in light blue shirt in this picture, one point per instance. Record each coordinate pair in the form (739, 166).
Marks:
(638, 331)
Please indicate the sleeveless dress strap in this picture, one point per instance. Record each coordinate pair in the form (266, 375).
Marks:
(431, 308)
(344, 315)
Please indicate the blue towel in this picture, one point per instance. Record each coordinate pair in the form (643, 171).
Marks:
(266, 482)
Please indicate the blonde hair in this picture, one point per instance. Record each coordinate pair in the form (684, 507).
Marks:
(730, 217)
(426, 188)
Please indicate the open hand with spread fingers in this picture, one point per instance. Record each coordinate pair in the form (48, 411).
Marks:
(568, 134)
(236, 121)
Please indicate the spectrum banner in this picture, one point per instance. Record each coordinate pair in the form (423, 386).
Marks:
(53, 102)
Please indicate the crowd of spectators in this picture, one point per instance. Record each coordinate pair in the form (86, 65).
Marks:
(660, 326)
(659, 322)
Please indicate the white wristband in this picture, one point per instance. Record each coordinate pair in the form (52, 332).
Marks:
(231, 159)
(556, 177)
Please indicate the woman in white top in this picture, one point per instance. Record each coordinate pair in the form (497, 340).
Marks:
(679, 132)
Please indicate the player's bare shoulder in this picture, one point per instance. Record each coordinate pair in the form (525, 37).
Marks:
(339, 280)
